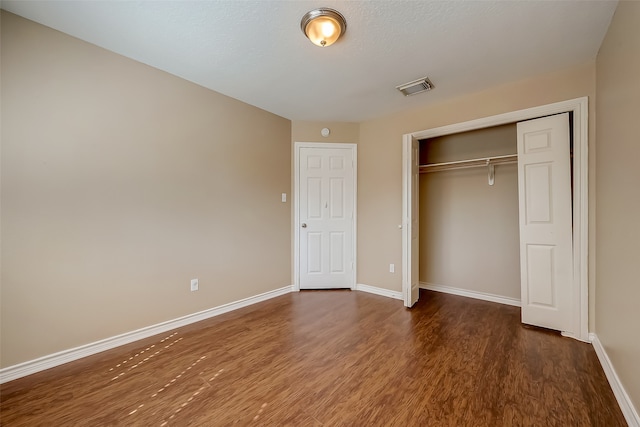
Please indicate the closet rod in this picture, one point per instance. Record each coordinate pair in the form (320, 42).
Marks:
(471, 163)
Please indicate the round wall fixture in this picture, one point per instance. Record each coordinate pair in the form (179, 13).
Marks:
(325, 132)
(323, 26)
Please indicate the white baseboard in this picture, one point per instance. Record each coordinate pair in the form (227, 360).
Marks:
(471, 294)
(626, 406)
(378, 291)
(50, 361)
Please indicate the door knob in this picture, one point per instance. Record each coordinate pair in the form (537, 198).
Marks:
(304, 225)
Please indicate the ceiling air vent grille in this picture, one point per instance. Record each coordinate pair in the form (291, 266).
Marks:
(416, 86)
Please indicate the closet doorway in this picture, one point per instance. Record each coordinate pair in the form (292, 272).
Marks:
(576, 324)
(469, 229)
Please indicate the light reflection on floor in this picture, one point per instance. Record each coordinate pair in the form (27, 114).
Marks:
(193, 396)
(146, 358)
(139, 358)
(264, 405)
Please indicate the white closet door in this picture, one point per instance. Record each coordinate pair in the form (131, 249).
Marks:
(544, 188)
(411, 234)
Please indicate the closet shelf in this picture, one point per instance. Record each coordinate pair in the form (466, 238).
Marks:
(471, 163)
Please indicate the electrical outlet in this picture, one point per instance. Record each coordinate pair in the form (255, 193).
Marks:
(194, 285)
(392, 268)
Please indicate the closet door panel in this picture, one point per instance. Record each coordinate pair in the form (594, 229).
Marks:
(411, 213)
(538, 193)
(544, 191)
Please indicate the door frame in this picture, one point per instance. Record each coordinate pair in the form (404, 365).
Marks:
(296, 205)
(580, 109)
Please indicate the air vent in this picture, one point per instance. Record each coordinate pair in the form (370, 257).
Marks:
(416, 86)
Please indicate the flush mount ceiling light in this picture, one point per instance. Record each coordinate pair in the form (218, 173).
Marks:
(323, 26)
(416, 86)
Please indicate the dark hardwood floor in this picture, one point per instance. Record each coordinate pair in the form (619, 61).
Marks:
(330, 358)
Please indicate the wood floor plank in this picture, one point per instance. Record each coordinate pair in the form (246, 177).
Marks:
(330, 358)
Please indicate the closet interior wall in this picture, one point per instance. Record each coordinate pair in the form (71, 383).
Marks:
(469, 232)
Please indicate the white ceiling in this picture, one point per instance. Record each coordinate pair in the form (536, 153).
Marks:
(255, 51)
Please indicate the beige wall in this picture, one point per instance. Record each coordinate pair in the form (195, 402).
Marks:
(618, 208)
(120, 183)
(380, 161)
(469, 232)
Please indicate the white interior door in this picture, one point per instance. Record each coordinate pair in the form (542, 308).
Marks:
(411, 231)
(544, 191)
(326, 217)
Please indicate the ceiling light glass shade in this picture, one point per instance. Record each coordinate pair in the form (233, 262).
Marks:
(323, 26)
